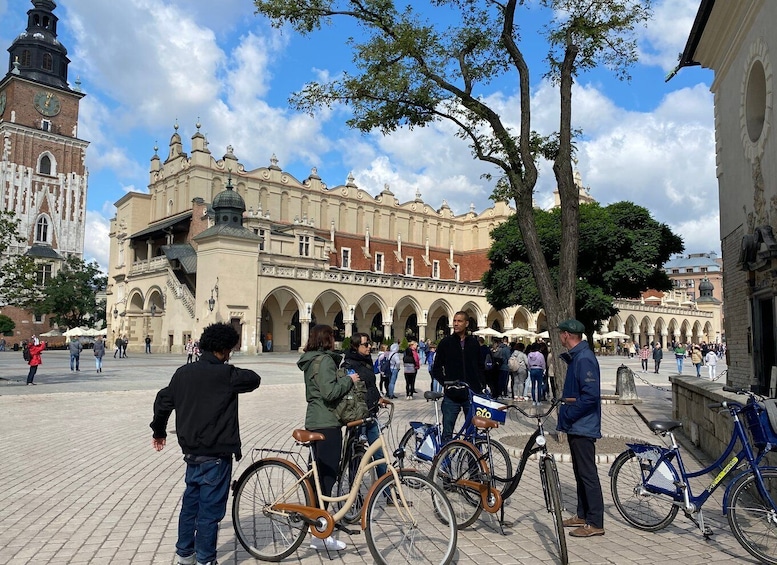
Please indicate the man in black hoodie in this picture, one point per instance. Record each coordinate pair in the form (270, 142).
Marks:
(204, 397)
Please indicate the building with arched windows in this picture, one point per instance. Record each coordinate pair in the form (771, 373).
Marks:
(43, 179)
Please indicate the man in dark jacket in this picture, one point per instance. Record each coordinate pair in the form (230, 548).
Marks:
(204, 397)
(581, 418)
(457, 361)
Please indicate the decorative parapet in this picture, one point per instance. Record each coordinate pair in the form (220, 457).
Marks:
(668, 310)
(373, 280)
(149, 266)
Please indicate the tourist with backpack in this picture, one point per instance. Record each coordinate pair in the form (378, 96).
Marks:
(377, 367)
(31, 352)
(394, 364)
(519, 369)
(411, 364)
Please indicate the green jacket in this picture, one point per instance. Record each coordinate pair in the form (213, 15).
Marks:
(323, 389)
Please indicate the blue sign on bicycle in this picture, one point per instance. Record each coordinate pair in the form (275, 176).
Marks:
(487, 408)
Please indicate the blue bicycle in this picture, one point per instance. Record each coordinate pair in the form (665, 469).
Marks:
(423, 441)
(650, 482)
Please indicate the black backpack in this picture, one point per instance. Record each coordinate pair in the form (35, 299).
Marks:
(26, 354)
(408, 357)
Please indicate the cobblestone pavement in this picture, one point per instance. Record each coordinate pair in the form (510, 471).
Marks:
(82, 485)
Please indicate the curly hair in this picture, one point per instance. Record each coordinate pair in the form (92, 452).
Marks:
(219, 337)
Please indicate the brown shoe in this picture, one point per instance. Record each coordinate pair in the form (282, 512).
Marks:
(586, 531)
(574, 522)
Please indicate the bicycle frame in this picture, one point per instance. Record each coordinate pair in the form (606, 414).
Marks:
(664, 473)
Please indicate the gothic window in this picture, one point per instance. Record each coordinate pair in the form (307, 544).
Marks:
(435, 269)
(346, 258)
(379, 262)
(409, 266)
(44, 274)
(42, 230)
(45, 165)
(48, 63)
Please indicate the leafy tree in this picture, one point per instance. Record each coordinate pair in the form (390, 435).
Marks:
(434, 61)
(7, 325)
(70, 296)
(9, 231)
(621, 250)
(20, 286)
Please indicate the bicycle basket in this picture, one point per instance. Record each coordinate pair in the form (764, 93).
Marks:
(487, 408)
(759, 425)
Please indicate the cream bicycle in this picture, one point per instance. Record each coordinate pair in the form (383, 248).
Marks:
(406, 518)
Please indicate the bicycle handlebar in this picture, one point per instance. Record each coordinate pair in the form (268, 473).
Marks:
(553, 404)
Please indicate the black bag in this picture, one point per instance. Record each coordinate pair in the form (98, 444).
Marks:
(353, 405)
(26, 354)
(457, 392)
(489, 362)
(408, 357)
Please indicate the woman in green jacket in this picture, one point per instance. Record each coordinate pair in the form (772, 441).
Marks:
(323, 388)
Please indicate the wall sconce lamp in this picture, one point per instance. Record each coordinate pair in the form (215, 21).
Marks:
(216, 287)
(211, 302)
(115, 312)
(153, 310)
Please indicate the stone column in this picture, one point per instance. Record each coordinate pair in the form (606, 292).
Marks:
(421, 332)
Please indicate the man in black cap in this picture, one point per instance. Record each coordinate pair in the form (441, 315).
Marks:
(580, 417)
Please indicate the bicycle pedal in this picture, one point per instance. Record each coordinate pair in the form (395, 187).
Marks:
(707, 533)
(347, 530)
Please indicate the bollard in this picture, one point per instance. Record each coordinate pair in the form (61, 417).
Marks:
(625, 388)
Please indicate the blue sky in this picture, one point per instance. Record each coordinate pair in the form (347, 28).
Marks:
(146, 63)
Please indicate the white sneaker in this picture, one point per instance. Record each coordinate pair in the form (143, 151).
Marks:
(188, 560)
(329, 543)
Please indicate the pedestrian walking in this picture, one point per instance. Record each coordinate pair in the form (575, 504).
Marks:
(189, 350)
(658, 354)
(679, 356)
(458, 368)
(118, 343)
(395, 361)
(75, 347)
(34, 351)
(697, 359)
(99, 352)
(711, 359)
(644, 355)
(124, 344)
(148, 344)
(410, 366)
(204, 396)
(580, 417)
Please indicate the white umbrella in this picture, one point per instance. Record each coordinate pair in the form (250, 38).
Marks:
(52, 333)
(544, 335)
(519, 332)
(615, 335)
(76, 332)
(488, 332)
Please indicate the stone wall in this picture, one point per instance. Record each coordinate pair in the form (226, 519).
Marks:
(710, 430)
(736, 312)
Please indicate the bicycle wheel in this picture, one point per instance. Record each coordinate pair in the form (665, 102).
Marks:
(552, 488)
(459, 461)
(751, 517)
(500, 464)
(422, 532)
(345, 483)
(410, 445)
(640, 508)
(266, 534)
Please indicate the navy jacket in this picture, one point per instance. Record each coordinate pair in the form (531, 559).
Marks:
(583, 416)
(452, 364)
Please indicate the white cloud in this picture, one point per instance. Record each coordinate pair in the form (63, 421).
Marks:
(667, 32)
(97, 242)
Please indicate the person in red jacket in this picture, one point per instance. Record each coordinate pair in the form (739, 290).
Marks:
(35, 348)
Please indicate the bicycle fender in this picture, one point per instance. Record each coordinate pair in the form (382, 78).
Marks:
(732, 482)
(307, 485)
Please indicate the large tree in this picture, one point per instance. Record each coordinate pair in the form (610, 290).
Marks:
(70, 297)
(622, 249)
(423, 62)
(9, 232)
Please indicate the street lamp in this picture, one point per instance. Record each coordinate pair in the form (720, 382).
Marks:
(211, 302)
(115, 312)
(153, 310)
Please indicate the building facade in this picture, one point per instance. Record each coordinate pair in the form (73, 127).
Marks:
(272, 254)
(738, 41)
(43, 177)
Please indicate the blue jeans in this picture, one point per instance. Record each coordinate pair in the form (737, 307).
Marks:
(392, 381)
(204, 506)
(537, 381)
(679, 363)
(450, 412)
(373, 432)
(98, 363)
(74, 359)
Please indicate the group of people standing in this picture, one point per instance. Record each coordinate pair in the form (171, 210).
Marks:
(698, 353)
(204, 396)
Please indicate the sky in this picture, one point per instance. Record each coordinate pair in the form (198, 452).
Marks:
(146, 65)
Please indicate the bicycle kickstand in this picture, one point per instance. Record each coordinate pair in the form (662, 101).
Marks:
(698, 519)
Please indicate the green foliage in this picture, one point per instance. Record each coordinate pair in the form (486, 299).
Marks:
(20, 286)
(621, 251)
(7, 325)
(346, 343)
(9, 231)
(70, 297)
(403, 344)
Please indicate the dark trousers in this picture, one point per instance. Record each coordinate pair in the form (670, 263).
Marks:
(327, 455)
(657, 363)
(409, 383)
(384, 382)
(504, 376)
(450, 412)
(31, 374)
(590, 503)
(644, 365)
